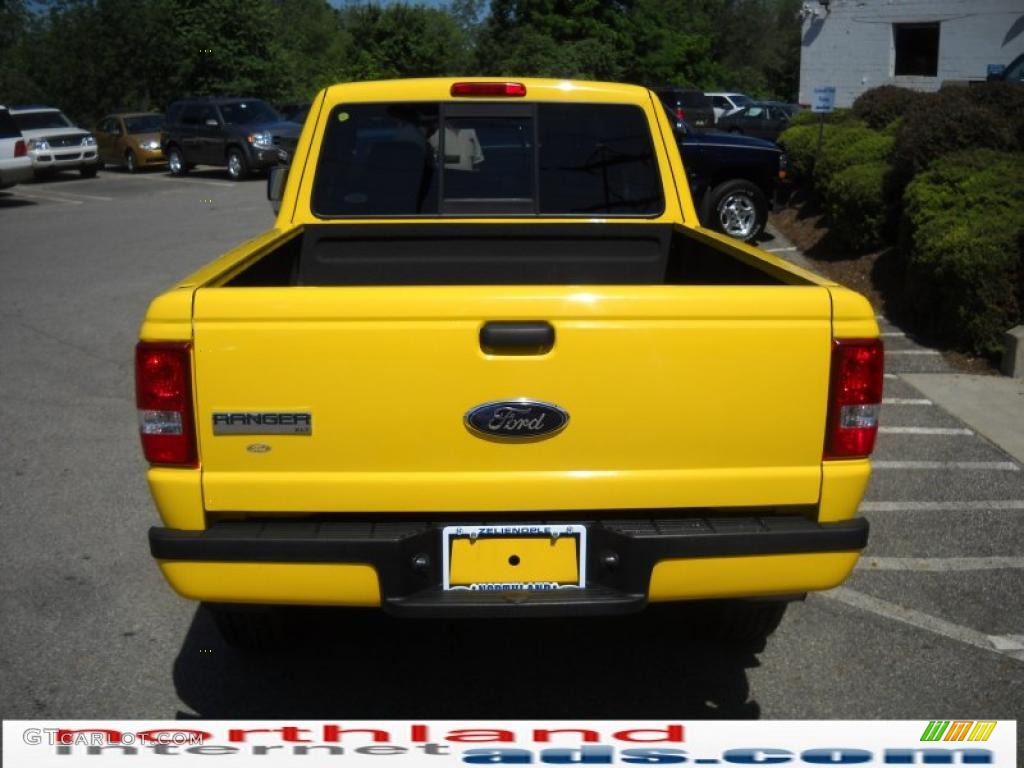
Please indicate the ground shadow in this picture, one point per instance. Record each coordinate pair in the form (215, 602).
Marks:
(366, 665)
(11, 200)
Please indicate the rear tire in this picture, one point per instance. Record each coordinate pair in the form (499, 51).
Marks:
(251, 628)
(737, 208)
(741, 621)
(176, 161)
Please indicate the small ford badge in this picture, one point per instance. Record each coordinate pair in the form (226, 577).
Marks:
(516, 419)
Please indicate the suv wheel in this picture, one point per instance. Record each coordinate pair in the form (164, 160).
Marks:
(737, 208)
(237, 167)
(129, 161)
(176, 162)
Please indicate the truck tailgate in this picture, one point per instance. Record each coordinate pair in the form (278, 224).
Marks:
(678, 396)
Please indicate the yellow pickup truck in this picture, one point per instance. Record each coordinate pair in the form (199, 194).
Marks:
(487, 363)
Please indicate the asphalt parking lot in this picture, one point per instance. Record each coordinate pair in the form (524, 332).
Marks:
(930, 626)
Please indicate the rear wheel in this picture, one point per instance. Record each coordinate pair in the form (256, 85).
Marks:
(738, 208)
(251, 627)
(129, 161)
(176, 161)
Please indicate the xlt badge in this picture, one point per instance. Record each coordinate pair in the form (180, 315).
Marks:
(516, 419)
(263, 423)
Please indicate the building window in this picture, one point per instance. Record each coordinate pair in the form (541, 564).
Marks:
(917, 49)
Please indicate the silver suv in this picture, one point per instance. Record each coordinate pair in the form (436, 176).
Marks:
(15, 164)
(54, 142)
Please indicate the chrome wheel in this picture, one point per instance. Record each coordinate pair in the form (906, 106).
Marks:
(235, 167)
(129, 161)
(738, 215)
(175, 162)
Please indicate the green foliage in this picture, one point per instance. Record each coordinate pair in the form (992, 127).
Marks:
(849, 144)
(836, 117)
(856, 203)
(879, 107)
(800, 143)
(952, 120)
(964, 247)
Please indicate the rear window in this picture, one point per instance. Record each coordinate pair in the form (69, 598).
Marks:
(32, 121)
(8, 128)
(486, 158)
(144, 123)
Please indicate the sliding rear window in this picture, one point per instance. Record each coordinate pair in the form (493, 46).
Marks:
(486, 159)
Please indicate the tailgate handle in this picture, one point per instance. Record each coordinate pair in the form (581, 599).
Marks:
(510, 338)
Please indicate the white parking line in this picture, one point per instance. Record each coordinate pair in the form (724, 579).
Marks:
(1005, 645)
(782, 250)
(939, 564)
(893, 335)
(890, 375)
(201, 181)
(88, 197)
(999, 505)
(911, 352)
(50, 198)
(924, 431)
(906, 401)
(997, 466)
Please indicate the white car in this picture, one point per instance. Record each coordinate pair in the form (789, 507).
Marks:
(15, 164)
(55, 143)
(727, 103)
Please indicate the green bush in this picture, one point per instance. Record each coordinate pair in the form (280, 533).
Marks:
(963, 238)
(856, 203)
(800, 142)
(848, 145)
(806, 117)
(880, 106)
(952, 120)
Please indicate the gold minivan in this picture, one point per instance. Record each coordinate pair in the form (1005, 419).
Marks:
(131, 140)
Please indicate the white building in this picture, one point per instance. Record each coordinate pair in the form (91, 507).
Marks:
(855, 45)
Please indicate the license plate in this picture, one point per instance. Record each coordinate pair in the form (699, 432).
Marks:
(507, 558)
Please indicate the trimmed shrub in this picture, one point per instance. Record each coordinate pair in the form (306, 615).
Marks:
(963, 237)
(806, 117)
(855, 201)
(800, 142)
(848, 145)
(879, 106)
(952, 120)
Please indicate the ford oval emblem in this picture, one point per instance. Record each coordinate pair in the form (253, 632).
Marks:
(516, 419)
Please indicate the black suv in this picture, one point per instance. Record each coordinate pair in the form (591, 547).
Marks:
(688, 104)
(236, 133)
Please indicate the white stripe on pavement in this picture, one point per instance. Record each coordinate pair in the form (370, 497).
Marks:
(893, 335)
(998, 466)
(938, 564)
(924, 431)
(999, 505)
(51, 198)
(911, 351)
(201, 181)
(782, 250)
(1006, 645)
(906, 401)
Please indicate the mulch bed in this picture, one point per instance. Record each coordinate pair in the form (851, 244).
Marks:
(874, 275)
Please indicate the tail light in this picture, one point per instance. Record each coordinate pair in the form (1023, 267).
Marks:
(855, 397)
(163, 395)
(680, 115)
(20, 150)
(488, 89)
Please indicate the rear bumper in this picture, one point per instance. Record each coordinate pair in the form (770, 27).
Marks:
(396, 565)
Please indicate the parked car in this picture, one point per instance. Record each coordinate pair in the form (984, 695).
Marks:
(131, 140)
(294, 112)
(54, 142)
(733, 179)
(235, 133)
(688, 104)
(758, 119)
(15, 164)
(727, 103)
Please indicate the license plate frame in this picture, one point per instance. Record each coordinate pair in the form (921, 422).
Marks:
(451, 533)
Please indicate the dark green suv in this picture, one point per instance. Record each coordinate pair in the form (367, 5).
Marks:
(235, 133)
